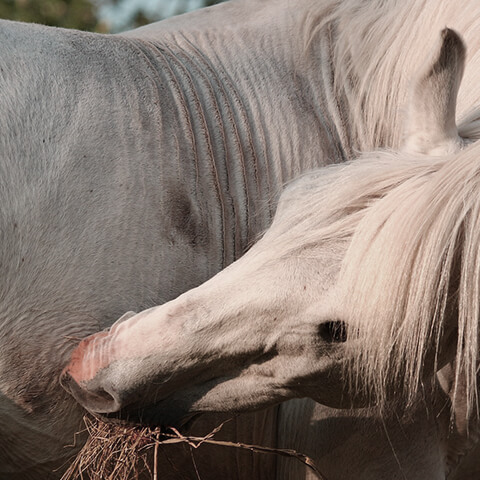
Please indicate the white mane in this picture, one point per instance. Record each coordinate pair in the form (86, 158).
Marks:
(411, 277)
(409, 286)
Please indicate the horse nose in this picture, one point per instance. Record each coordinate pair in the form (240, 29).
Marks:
(110, 405)
(95, 400)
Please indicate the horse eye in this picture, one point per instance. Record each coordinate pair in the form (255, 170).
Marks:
(333, 331)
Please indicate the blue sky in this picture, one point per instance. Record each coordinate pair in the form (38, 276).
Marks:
(118, 16)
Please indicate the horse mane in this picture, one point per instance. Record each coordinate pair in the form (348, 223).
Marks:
(409, 284)
(410, 279)
(377, 49)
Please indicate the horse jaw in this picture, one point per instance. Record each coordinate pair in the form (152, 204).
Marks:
(430, 126)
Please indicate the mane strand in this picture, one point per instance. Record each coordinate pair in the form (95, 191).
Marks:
(410, 282)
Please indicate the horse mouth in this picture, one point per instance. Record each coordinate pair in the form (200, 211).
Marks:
(150, 417)
(168, 412)
(160, 415)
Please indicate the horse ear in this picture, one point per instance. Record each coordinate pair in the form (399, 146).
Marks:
(430, 126)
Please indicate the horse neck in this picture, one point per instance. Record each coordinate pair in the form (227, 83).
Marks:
(256, 108)
(264, 92)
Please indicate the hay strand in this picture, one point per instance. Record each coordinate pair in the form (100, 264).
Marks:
(114, 452)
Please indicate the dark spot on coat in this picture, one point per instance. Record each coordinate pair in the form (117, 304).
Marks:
(185, 221)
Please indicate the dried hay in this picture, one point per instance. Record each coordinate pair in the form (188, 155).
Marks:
(115, 452)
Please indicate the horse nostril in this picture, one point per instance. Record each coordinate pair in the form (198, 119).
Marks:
(97, 400)
(333, 331)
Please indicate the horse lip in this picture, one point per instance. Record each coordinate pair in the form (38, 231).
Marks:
(154, 417)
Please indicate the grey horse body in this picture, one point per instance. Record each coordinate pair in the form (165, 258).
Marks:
(135, 167)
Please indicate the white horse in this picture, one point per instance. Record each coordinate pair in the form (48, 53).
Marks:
(135, 167)
(363, 294)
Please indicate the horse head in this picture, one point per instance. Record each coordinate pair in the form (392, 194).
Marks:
(367, 276)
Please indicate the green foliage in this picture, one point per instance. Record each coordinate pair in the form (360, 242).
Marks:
(144, 12)
(142, 17)
(80, 14)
